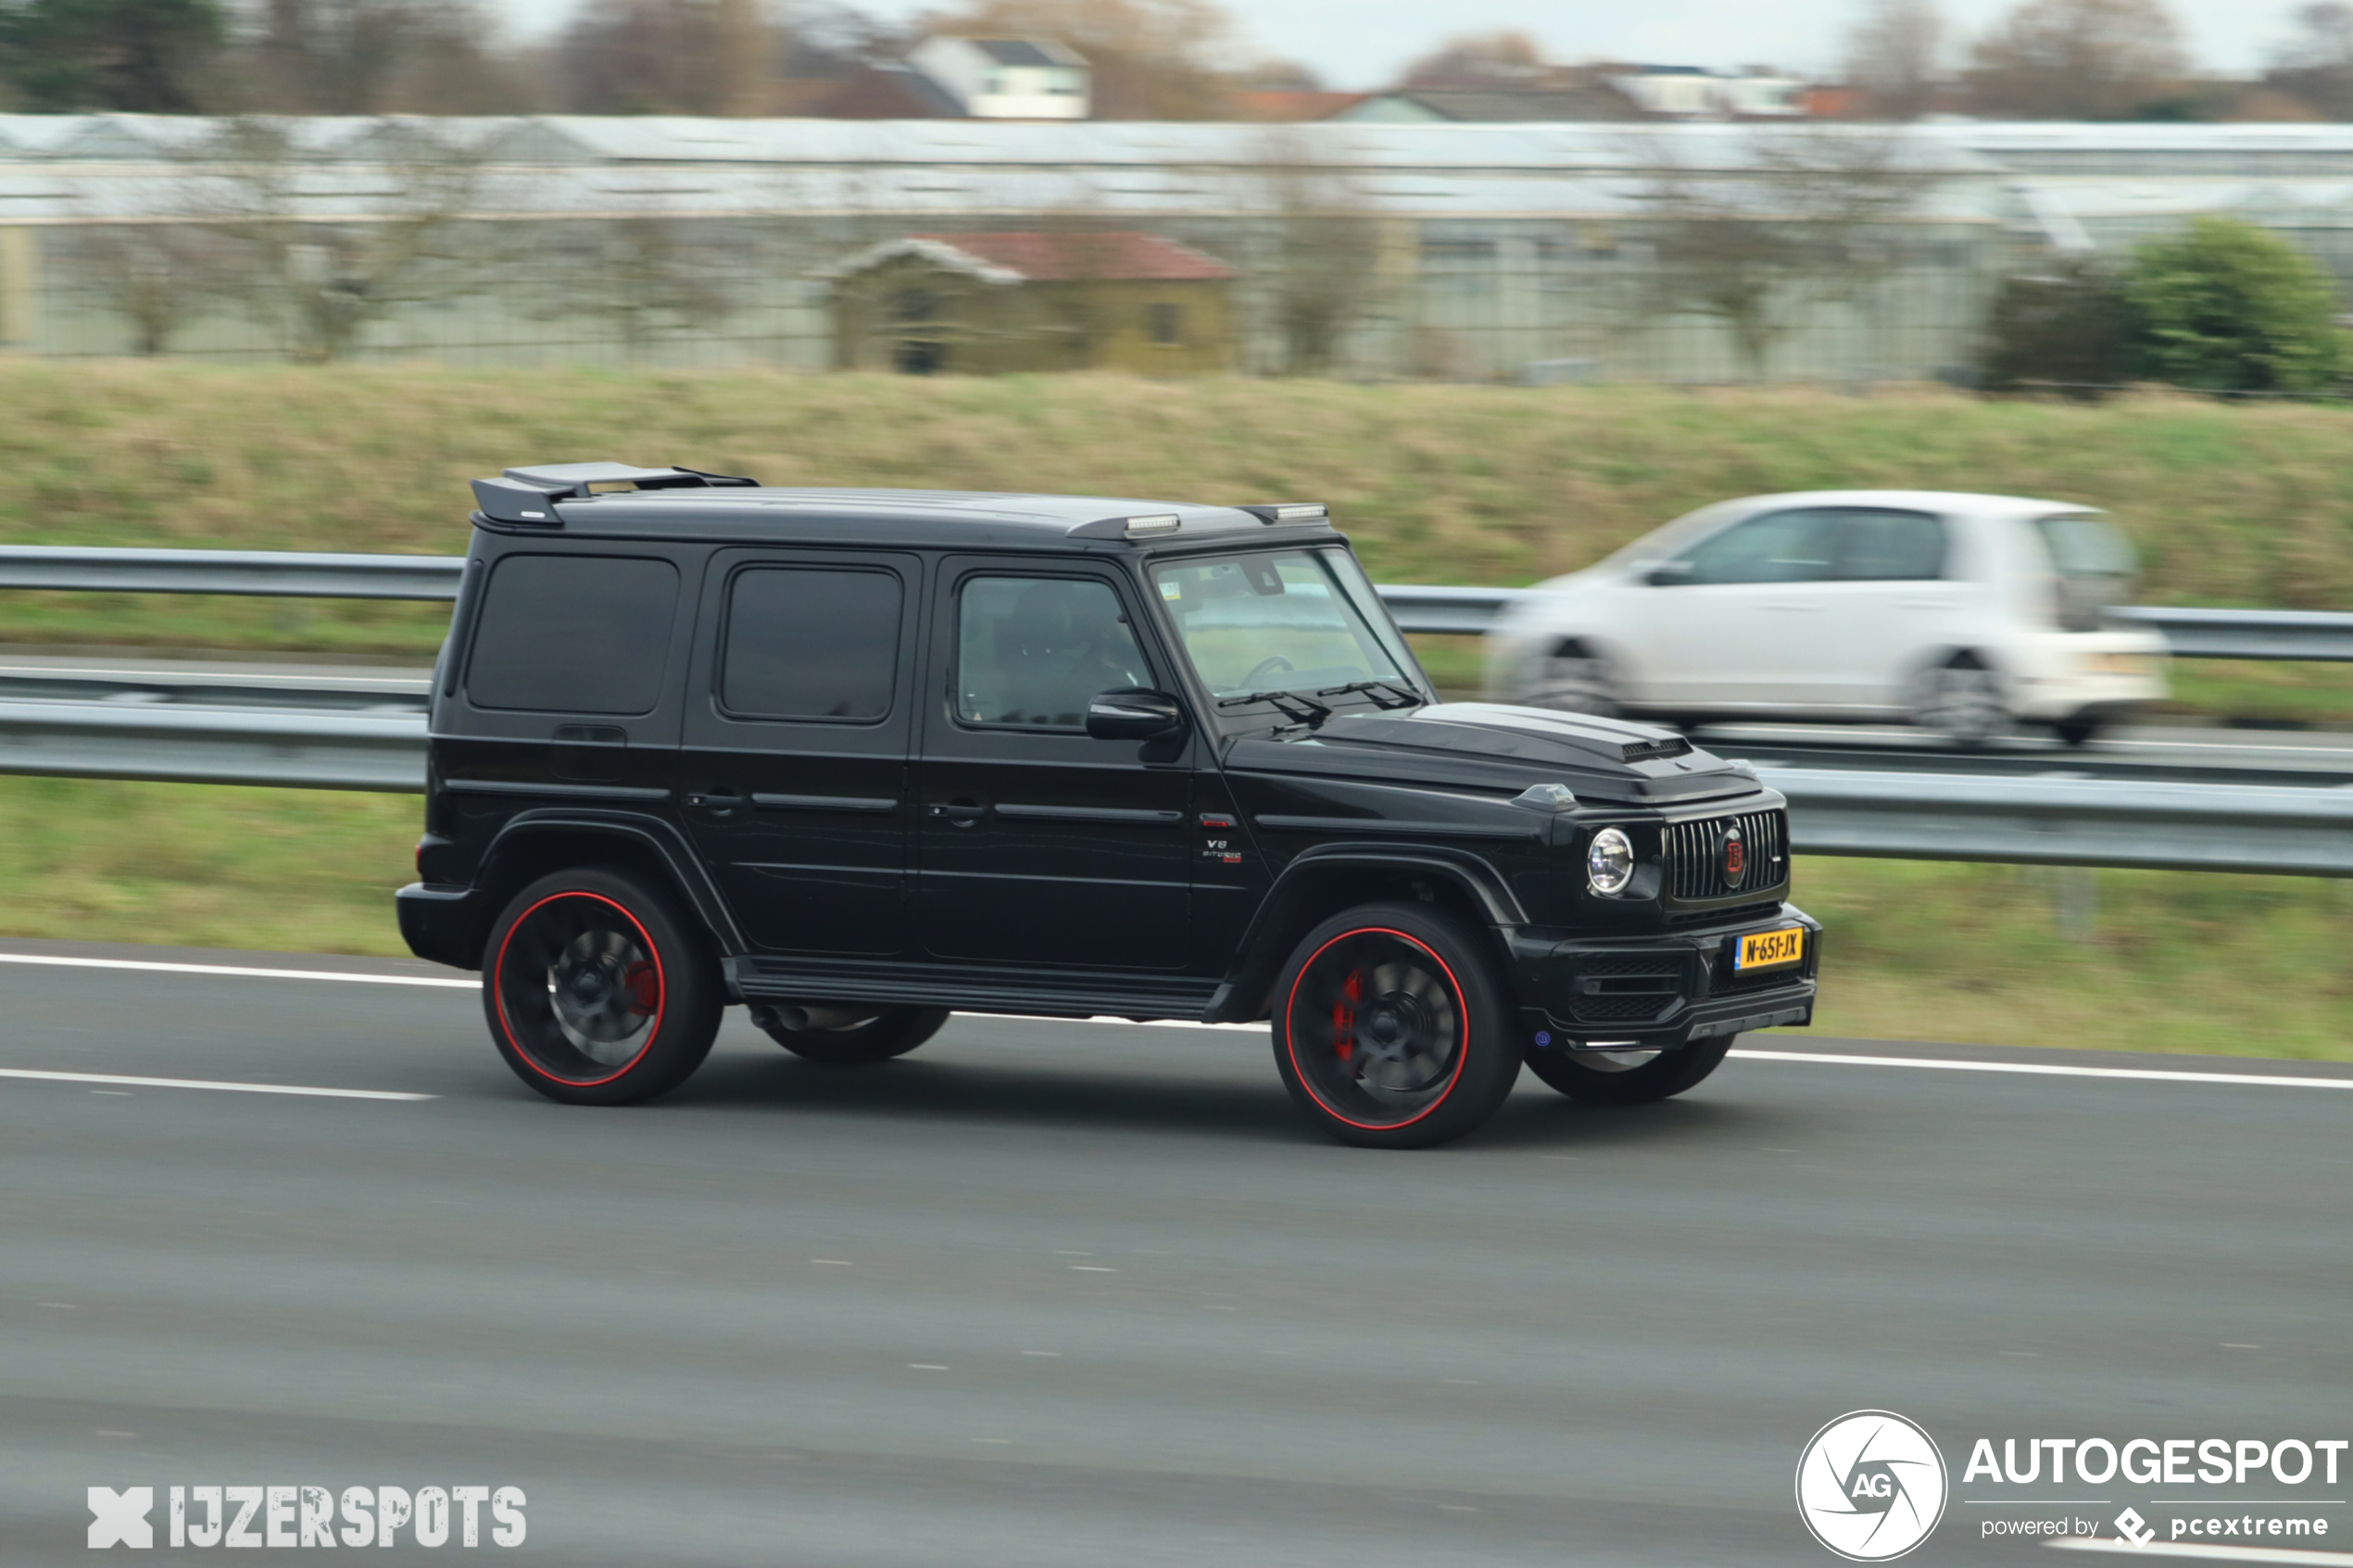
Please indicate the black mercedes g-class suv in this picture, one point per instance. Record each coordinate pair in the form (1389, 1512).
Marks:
(859, 758)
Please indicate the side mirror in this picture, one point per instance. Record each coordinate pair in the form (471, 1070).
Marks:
(1670, 574)
(1134, 713)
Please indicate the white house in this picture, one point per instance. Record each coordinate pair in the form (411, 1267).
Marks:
(1007, 78)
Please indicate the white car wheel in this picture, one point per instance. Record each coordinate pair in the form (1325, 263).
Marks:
(1963, 703)
(1573, 683)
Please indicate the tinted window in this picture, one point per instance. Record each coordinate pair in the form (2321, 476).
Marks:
(1032, 650)
(574, 635)
(1891, 546)
(1776, 547)
(809, 644)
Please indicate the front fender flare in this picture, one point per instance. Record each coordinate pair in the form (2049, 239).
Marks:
(1265, 947)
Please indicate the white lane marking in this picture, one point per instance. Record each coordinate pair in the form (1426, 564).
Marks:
(205, 1084)
(236, 970)
(2207, 1553)
(2045, 1070)
(242, 971)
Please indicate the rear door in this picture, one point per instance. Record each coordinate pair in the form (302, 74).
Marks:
(1037, 844)
(568, 692)
(794, 768)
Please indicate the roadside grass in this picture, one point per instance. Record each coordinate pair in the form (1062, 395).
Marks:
(2242, 966)
(2231, 504)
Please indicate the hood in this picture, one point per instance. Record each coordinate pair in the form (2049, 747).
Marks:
(1489, 745)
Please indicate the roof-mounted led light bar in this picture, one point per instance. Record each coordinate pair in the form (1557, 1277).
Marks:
(1153, 525)
(1288, 511)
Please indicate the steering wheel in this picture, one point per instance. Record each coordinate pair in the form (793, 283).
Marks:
(1272, 664)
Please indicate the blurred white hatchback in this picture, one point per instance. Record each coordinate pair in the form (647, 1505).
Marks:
(1967, 615)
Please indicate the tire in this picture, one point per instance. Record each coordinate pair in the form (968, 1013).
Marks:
(2077, 731)
(1962, 701)
(1571, 682)
(893, 1032)
(1613, 1078)
(597, 991)
(1393, 1029)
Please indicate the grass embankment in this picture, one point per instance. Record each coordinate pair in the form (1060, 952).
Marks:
(2239, 504)
(2250, 966)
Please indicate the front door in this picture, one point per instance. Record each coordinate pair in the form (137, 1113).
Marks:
(1035, 845)
(1737, 621)
(795, 765)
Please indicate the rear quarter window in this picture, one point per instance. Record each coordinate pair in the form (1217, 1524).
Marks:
(574, 634)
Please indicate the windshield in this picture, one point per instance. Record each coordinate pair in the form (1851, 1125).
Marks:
(1283, 620)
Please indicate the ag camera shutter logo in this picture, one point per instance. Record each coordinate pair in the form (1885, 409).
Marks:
(1871, 1485)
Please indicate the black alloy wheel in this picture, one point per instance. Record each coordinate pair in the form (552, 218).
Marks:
(1627, 1077)
(596, 993)
(890, 1032)
(1389, 1028)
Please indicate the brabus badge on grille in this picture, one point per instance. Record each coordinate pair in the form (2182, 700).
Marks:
(1735, 857)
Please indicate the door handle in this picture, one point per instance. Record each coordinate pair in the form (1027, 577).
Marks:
(717, 802)
(964, 813)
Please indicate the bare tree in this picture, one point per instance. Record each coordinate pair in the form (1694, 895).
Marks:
(1895, 54)
(672, 57)
(2078, 59)
(374, 56)
(1505, 58)
(321, 280)
(1316, 269)
(1798, 217)
(639, 279)
(2317, 68)
(159, 277)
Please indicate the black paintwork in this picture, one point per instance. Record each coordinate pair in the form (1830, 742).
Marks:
(917, 860)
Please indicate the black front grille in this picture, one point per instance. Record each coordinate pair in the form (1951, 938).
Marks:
(1695, 856)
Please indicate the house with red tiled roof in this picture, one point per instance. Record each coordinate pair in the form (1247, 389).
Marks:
(1030, 300)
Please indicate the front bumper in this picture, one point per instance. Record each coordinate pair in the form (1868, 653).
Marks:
(1660, 990)
(440, 924)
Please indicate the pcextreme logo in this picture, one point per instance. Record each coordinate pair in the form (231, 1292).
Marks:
(1871, 1485)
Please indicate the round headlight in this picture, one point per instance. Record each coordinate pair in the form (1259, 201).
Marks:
(1609, 862)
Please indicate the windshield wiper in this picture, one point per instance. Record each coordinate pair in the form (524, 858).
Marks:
(1297, 706)
(1406, 696)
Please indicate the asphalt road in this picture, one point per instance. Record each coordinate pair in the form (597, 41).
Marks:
(1049, 1294)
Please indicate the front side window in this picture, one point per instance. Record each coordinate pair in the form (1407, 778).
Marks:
(1292, 620)
(574, 635)
(1031, 651)
(807, 644)
(1777, 548)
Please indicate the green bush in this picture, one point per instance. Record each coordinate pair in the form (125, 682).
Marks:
(2227, 307)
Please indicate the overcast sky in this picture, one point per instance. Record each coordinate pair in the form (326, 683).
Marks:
(1362, 43)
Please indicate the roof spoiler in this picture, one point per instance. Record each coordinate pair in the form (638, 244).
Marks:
(529, 495)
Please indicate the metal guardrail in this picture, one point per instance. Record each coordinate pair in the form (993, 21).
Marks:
(1904, 816)
(185, 745)
(276, 573)
(1432, 610)
(2193, 634)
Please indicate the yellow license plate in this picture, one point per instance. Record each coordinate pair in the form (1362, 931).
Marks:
(1768, 949)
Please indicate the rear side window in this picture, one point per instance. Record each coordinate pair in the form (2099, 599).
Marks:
(574, 634)
(808, 644)
(1890, 547)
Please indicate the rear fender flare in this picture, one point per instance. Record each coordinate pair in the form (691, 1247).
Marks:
(667, 844)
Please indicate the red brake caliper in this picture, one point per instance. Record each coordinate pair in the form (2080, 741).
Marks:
(1351, 991)
(643, 983)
